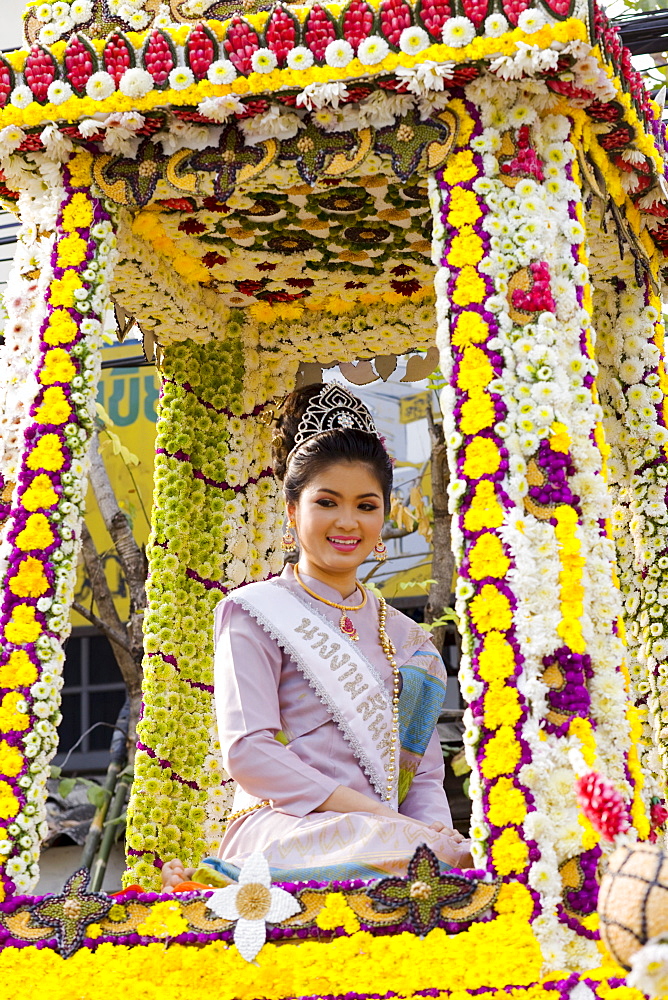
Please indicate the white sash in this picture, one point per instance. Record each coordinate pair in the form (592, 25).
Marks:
(335, 668)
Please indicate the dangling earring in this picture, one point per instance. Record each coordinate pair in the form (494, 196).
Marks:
(380, 550)
(288, 541)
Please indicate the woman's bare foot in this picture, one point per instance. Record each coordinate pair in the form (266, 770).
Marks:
(173, 873)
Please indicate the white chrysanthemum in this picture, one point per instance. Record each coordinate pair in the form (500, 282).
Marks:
(495, 25)
(100, 86)
(339, 53)
(59, 91)
(300, 58)
(531, 20)
(136, 82)
(372, 50)
(137, 20)
(181, 77)
(21, 96)
(221, 71)
(44, 12)
(11, 138)
(81, 10)
(220, 108)
(649, 968)
(49, 34)
(264, 61)
(458, 32)
(413, 40)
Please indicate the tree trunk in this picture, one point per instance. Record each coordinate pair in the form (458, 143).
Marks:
(126, 639)
(443, 560)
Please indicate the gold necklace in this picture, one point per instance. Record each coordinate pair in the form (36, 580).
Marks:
(345, 624)
(390, 652)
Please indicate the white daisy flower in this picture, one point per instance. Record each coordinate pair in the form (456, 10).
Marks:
(221, 71)
(100, 86)
(21, 96)
(264, 61)
(11, 138)
(49, 34)
(44, 12)
(300, 58)
(339, 53)
(81, 10)
(458, 32)
(136, 82)
(181, 77)
(253, 902)
(495, 25)
(59, 91)
(531, 20)
(372, 50)
(413, 40)
(138, 20)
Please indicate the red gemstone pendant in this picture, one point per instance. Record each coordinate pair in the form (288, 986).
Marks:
(348, 628)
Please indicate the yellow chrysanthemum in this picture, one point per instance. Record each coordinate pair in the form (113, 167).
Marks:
(54, 408)
(507, 803)
(22, 626)
(465, 248)
(58, 367)
(490, 609)
(502, 705)
(37, 533)
(485, 510)
(12, 721)
(72, 251)
(78, 213)
(482, 458)
(81, 169)
(509, 852)
(469, 287)
(47, 454)
(475, 370)
(487, 558)
(470, 328)
(477, 412)
(18, 671)
(463, 208)
(502, 754)
(11, 760)
(459, 168)
(496, 659)
(9, 804)
(61, 329)
(61, 290)
(30, 579)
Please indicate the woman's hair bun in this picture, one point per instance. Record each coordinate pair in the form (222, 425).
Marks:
(283, 439)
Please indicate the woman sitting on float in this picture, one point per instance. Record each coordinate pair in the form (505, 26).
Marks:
(326, 698)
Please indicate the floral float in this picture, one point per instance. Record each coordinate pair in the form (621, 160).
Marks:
(268, 192)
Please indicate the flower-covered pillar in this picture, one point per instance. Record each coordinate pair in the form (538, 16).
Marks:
(58, 297)
(544, 679)
(630, 352)
(216, 526)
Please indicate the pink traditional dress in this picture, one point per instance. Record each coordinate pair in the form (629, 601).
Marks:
(303, 709)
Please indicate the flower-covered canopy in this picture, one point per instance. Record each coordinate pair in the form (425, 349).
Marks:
(270, 191)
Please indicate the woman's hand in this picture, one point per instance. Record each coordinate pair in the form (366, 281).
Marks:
(173, 873)
(447, 830)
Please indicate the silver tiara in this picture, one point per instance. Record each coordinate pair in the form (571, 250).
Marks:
(334, 408)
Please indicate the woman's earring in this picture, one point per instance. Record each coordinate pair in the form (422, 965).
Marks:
(380, 550)
(288, 541)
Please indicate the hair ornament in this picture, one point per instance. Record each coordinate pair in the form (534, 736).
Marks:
(271, 412)
(333, 409)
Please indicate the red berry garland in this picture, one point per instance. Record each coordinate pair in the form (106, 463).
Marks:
(159, 58)
(118, 56)
(395, 15)
(477, 10)
(80, 63)
(200, 51)
(320, 30)
(240, 43)
(602, 804)
(40, 71)
(6, 82)
(357, 22)
(281, 33)
(433, 14)
(513, 8)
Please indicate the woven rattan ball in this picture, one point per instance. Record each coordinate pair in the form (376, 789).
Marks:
(633, 901)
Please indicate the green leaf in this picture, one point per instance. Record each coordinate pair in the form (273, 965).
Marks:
(66, 786)
(55, 772)
(98, 796)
